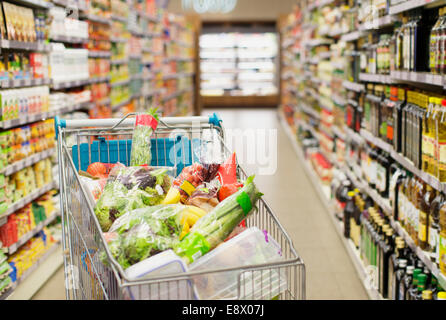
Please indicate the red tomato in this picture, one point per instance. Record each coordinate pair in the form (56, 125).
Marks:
(228, 190)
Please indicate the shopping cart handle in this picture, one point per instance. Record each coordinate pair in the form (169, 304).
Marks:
(215, 120)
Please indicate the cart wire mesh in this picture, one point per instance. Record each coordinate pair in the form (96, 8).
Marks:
(85, 248)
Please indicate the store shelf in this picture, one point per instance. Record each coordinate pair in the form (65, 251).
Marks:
(380, 78)
(356, 137)
(178, 75)
(373, 98)
(151, 93)
(29, 161)
(30, 46)
(69, 84)
(29, 118)
(352, 36)
(121, 104)
(348, 244)
(38, 274)
(39, 4)
(119, 61)
(411, 4)
(310, 111)
(68, 39)
(120, 83)
(19, 83)
(24, 201)
(418, 77)
(39, 227)
(148, 17)
(99, 54)
(387, 209)
(317, 42)
(119, 18)
(403, 161)
(95, 18)
(135, 56)
(358, 87)
(105, 101)
(378, 23)
(115, 39)
(376, 141)
(100, 79)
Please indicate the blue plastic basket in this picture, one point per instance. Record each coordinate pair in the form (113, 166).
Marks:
(165, 152)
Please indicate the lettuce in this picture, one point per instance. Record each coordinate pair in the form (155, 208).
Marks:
(141, 233)
(128, 189)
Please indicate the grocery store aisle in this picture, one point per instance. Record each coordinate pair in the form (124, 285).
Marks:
(330, 272)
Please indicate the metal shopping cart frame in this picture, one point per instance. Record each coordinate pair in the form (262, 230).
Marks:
(84, 244)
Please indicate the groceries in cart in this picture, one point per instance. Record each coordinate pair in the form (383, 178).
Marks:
(158, 226)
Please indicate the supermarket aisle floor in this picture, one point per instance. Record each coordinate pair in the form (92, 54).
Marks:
(330, 273)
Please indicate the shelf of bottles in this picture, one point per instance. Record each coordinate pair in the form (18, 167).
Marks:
(365, 97)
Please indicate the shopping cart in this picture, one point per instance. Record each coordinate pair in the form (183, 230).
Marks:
(177, 142)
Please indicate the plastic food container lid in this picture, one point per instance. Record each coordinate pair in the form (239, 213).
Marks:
(251, 247)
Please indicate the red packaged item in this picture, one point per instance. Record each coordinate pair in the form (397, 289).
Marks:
(228, 190)
(193, 176)
(227, 173)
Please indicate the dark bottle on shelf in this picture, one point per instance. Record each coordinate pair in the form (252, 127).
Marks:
(433, 286)
(434, 226)
(406, 283)
(412, 291)
(349, 212)
(399, 276)
(398, 118)
(342, 195)
(384, 267)
(393, 267)
(380, 251)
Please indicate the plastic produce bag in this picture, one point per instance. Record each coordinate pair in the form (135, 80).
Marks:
(142, 233)
(141, 144)
(93, 188)
(131, 188)
(214, 227)
(204, 197)
(193, 176)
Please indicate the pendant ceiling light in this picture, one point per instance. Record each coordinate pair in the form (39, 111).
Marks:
(211, 6)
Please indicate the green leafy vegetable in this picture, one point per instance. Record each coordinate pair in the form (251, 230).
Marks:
(141, 143)
(213, 228)
(141, 233)
(128, 189)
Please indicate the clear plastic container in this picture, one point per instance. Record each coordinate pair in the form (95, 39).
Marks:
(251, 247)
(164, 263)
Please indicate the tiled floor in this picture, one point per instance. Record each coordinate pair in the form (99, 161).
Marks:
(330, 273)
